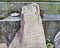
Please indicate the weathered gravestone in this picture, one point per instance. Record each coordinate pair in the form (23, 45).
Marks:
(57, 40)
(31, 33)
(33, 29)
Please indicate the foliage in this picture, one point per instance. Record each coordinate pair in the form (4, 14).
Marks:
(8, 10)
(49, 43)
(50, 8)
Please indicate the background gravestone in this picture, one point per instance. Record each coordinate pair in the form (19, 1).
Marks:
(51, 28)
(8, 30)
(57, 40)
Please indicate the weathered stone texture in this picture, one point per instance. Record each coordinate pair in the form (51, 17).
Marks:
(33, 30)
(33, 33)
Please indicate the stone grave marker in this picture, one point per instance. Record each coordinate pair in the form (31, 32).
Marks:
(31, 33)
(57, 40)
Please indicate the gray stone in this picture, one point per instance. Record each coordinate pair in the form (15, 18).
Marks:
(33, 30)
(33, 36)
(8, 30)
(57, 40)
(51, 28)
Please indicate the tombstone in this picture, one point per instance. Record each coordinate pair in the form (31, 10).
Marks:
(31, 33)
(57, 40)
(33, 30)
